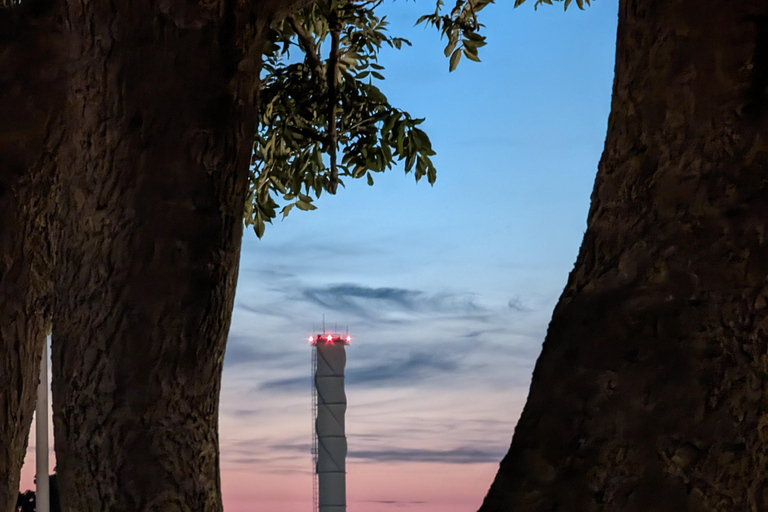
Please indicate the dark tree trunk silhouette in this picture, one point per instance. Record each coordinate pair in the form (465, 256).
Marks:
(29, 96)
(147, 184)
(150, 206)
(651, 391)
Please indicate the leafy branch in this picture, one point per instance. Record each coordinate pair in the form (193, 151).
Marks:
(460, 27)
(333, 97)
(321, 118)
(579, 3)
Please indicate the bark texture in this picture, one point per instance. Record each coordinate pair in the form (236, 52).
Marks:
(651, 391)
(30, 91)
(151, 196)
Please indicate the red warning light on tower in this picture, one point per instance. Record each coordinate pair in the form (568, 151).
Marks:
(328, 338)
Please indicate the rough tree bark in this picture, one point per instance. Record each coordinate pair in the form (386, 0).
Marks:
(29, 99)
(151, 195)
(651, 391)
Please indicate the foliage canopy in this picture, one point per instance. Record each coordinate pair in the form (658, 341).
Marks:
(323, 117)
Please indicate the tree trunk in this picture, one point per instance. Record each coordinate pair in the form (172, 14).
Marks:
(651, 391)
(28, 131)
(151, 198)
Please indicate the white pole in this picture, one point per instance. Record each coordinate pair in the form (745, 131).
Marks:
(331, 439)
(42, 497)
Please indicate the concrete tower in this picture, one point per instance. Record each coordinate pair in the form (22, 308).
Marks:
(330, 405)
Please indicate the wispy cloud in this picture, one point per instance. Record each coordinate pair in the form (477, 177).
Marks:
(286, 384)
(517, 304)
(241, 349)
(274, 310)
(462, 455)
(394, 503)
(265, 449)
(416, 366)
(259, 451)
(245, 413)
(397, 371)
(368, 302)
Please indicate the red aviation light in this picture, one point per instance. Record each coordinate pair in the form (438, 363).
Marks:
(329, 339)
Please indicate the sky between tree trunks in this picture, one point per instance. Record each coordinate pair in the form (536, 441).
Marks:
(447, 291)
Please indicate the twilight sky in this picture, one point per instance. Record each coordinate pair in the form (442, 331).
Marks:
(447, 290)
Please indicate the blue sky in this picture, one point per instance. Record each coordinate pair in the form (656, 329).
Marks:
(447, 290)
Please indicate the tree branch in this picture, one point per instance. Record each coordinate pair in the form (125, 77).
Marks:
(307, 44)
(333, 64)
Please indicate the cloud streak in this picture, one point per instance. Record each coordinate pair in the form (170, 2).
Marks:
(241, 349)
(258, 451)
(370, 303)
(394, 503)
(461, 455)
(398, 371)
(417, 366)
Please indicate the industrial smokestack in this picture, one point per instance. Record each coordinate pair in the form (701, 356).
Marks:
(331, 405)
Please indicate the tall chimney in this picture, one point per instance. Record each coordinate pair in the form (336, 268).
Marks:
(331, 405)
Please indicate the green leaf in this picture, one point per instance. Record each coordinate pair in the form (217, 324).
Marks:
(422, 19)
(431, 172)
(421, 138)
(370, 180)
(452, 42)
(286, 209)
(389, 123)
(474, 36)
(302, 205)
(471, 55)
(276, 183)
(387, 153)
(398, 41)
(258, 228)
(455, 57)
(420, 168)
(409, 162)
